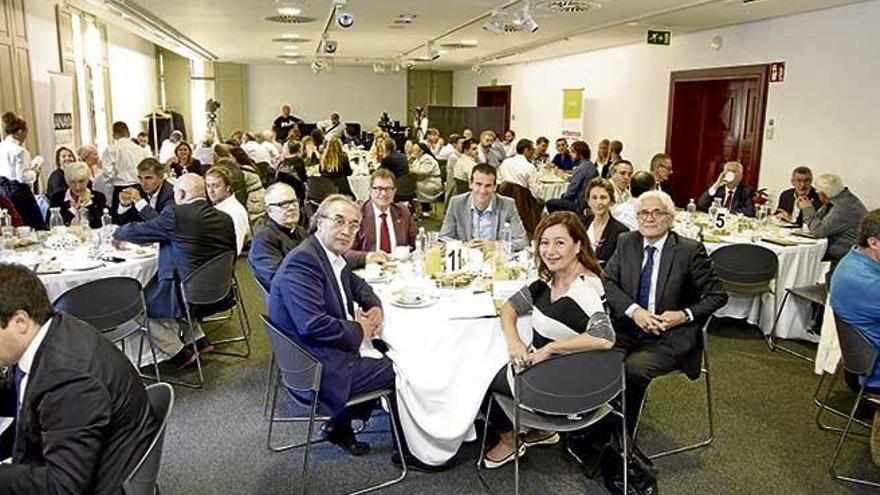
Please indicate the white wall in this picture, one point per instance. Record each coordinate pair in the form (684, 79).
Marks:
(826, 111)
(43, 46)
(356, 93)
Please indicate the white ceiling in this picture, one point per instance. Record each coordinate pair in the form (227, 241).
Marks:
(236, 30)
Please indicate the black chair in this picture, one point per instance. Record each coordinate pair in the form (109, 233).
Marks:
(142, 480)
(710, 417)
(108, 304)
(210, 288)
(860, 358)
(815, 294)
(746, 269)
(406, 188)
(300, 372)
(556, 395)
(461, 187)
(318, 188)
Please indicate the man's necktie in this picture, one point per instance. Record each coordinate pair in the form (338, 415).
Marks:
(19, 376)
(645, 278)
(728, 200)
(384, 235)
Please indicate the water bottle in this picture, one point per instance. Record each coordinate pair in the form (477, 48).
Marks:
(56, 223)
(505, 238)
(691, 207)
(421, 241)
(6, 228)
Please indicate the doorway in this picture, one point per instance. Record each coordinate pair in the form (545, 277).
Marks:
(495, 96)
(715, 116)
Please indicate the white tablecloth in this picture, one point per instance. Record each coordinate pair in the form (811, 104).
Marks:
(360, 186)
(443, 368)
(798, 266)
(551, 190)
(142, 269)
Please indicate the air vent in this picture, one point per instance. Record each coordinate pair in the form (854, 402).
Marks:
(457, 46)
(290, 19)
(397, 26)
(404, 19)
(291, 40)
(567, 6)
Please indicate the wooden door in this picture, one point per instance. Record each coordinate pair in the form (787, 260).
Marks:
(715, 116)
(16, 91)
(495, 96)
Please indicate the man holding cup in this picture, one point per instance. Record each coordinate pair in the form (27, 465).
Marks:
(735, 196)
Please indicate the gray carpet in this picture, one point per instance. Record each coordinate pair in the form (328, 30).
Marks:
(766, 440)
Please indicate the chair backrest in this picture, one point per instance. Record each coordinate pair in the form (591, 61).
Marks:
(142, 480)
(858, 353)
(406, 185)
(264, 291)
(300, 370)
(745, 264)
(105, 303)
(572, 383)
(211, 282)
(318, 188)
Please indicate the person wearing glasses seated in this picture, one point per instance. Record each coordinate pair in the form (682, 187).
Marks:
(625, 213)
(279, 235)
(477, 217)
(219, 188)
(602, 228)
(728, 187)
(386, 226)
(317, 301)
(566, 304)
(77, 196)
(802, 186)
(661, 169)
(83, 418)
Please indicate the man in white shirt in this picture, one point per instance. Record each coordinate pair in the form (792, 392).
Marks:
(625, 213)
(518, 169)
(219, 188)
(166, 151)
(621, 174)
(333, 128)
(466, 161)
(254, 150)
(120, 162)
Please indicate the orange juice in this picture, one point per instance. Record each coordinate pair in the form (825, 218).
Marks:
(433, 261)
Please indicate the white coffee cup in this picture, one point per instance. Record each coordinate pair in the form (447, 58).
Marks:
(729, 176)
(372, 270)
(400, 253)
(412, 294)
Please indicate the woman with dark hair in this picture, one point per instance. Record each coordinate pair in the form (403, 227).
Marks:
(602, 228)
(15, 160)
(293, 164)
(56, 182)
(183, 162)
(568, 315)
(318, 137)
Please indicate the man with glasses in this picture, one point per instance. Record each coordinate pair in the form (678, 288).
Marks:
(661, 169)
(279, 235)
(625, 213)
(386, 224)
(318, 302)
(728, 187)
(661, 290)
(802, 187)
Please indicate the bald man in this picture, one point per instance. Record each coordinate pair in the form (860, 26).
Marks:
(190, 233)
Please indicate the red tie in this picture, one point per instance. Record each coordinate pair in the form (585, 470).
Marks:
(729, 199)
(384, 235)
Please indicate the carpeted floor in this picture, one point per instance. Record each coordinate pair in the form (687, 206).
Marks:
(766, 439)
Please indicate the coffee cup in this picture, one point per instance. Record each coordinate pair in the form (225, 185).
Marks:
(412, 295)
(400, 253)
(372, 270)
(729, 176)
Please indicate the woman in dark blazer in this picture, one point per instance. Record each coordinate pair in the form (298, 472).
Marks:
(602, 228)
(78, 195)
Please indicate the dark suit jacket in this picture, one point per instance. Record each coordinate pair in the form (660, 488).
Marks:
(665, 187)
(271, 244)
(165, 198)
(396, 163)
(367, 239)
(94, 211)
(786, 203)
(85, 419)
(306, 305)
(23, 199)
(188, 235)
(742, 199)
(685, 280)
(608, 243)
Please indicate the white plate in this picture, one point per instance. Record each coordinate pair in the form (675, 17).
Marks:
(83, 265)
(378, 279)
(132, 254)
(423, 302)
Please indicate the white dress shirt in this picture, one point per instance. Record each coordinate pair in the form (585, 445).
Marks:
(256, 152)
(27, 359)
(166, 151)
(445, 152)
(463, 166)
(389, 221)
(14, 159)
(120, 162)
(625, 213)
(239, 215)
(518, 170)
(337, 262)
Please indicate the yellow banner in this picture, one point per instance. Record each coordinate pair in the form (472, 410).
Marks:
(572, 103)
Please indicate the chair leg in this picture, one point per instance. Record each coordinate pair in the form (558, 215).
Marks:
(244, 324)
(305, 468)
(843, 434)
(396, 433)
(772, 339)
(201, 377)
(823, 407)
(269, 379)
(623, 430)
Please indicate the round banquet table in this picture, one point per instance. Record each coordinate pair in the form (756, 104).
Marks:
(444, 362)
(799, 266)
(551, 190)
(141, 269)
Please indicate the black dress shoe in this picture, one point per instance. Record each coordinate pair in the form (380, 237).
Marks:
(344, 437)
(412, 463)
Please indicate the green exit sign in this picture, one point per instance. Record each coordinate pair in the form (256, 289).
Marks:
(659, 37)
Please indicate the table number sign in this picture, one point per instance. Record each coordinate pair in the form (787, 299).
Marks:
(455, 257)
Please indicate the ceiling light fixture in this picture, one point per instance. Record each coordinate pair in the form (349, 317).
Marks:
(289, 11)
(523, 19)
(495, 23)
(477, 68)
(135, 14)
(431, 51)
(318, 65)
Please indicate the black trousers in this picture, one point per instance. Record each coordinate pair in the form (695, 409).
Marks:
(367, 375)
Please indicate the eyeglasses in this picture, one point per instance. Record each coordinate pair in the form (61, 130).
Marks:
(286, 204)
(652, 214)
(383, 190)
(340, 223)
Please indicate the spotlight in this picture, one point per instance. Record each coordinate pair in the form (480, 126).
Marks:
(330, 46)
(318, 65)
(524, 20)
(345, 20)
(477, 68)
(432, 52)
(495, 24)
(379, 68)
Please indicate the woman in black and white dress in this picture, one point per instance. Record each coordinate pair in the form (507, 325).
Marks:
(568, 315)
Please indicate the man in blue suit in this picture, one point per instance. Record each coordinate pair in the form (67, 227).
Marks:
(318, 302)
(149, 198)
(190, 233)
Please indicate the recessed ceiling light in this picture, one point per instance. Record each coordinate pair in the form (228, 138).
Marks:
(632, 23)
(291, 62)
(291, 47)
(469, 42)
(289, 11)
(290, 36)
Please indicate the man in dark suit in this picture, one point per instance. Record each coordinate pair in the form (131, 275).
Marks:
(661, 289)
(21, 196)
(318, 302)
(661, 169)
(149, 199)
(190, 233)
(394, 160)
(83, 419)
(385, 224)
(802, 182)
(728, 187)
(279, 235)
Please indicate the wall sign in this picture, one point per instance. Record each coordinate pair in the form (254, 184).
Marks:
(659, 37)
(777, 72)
